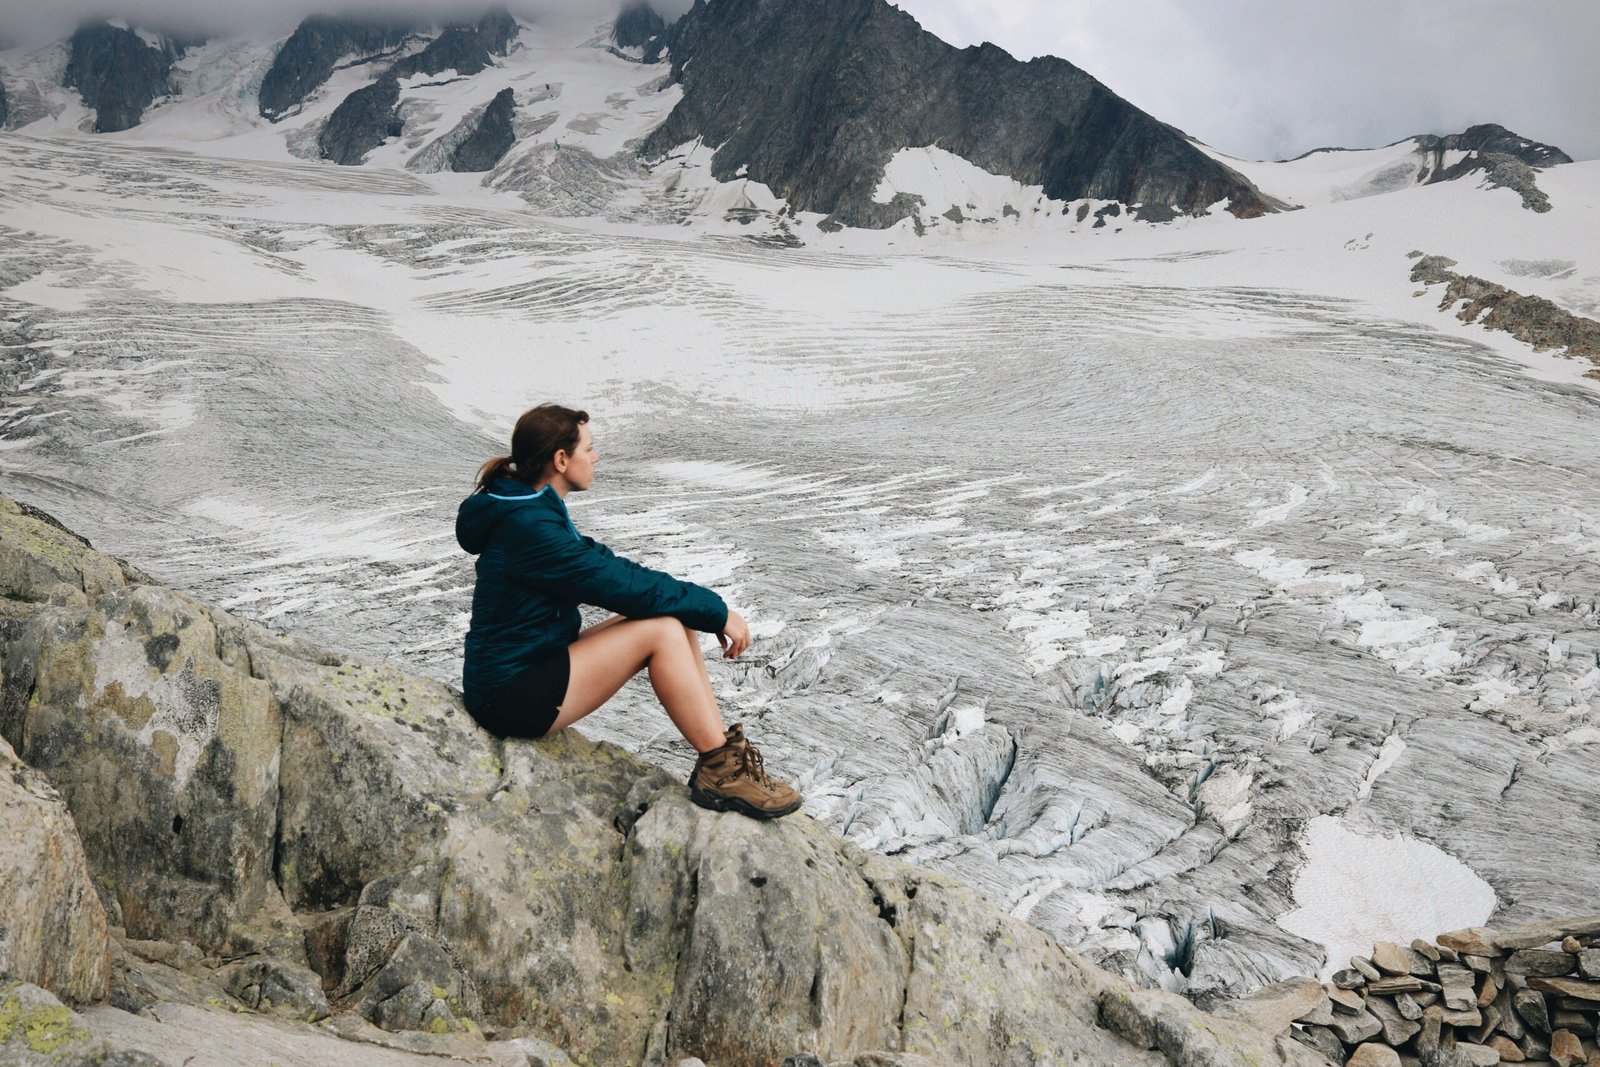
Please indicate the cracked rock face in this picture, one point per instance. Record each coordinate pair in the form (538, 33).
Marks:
(815, 99)
(444, 878)
(366, 119)
(52, 927)
(118, 73)
(490, 139)
(310, 54)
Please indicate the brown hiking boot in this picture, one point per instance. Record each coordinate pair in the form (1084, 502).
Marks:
(731, 778)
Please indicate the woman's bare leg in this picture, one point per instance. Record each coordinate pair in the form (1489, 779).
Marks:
(605, 657)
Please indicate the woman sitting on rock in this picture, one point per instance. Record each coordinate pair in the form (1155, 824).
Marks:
(530, 671)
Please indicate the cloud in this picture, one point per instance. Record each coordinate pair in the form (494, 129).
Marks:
(35, 22)
(1269, 80)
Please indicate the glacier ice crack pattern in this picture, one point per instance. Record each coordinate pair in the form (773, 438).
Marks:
(1092, 592)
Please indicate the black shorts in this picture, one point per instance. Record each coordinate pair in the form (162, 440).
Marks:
(528, 705)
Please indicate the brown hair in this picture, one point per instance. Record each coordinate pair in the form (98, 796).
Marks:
(540, 433)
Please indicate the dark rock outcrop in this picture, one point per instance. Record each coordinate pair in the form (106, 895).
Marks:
(491, 140)
(1505, 159)
(366, 119)
(312, 52)
(638, 26)
(465, 49)
(814, 99)
(4, 111)
(1483, 139)
(118, 74)
(1533, 319)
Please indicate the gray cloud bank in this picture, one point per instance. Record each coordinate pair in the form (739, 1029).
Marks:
(1265, 79)
(35, 22)
(1261, 79)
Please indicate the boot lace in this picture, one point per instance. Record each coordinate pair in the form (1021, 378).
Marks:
(750, 763)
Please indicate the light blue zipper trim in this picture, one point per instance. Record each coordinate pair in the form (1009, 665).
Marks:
(522, 496)
(562, 504)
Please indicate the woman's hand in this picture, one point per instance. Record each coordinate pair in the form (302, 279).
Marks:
(735, 635)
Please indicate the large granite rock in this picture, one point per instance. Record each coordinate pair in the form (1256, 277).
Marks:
(367, 118)
(117, 73)
(442, 880)
(131, 699)
(315, 48)
(52, 927)
(814, 99)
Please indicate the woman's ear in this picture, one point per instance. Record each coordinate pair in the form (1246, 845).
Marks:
(559, 460)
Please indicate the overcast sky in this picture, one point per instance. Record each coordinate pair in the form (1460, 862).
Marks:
(1264, 79)
(1270, 79)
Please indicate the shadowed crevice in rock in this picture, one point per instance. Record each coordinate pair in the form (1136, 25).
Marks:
(814, 100)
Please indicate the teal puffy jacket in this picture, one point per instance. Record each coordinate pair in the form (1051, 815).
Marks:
(535, 568)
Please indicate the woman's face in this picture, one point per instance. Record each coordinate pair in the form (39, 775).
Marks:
(580, 463)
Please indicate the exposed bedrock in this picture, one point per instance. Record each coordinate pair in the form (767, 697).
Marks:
(367, 118)
(466, 49)
(1489, 138)
(815, 99)
(245, 795)
(477, 143)
(492, 137)
(52, 927)
(639, 26)
(5, 112)
(1533, 319)
(315, 48)
(117, 73)
(1505, 160)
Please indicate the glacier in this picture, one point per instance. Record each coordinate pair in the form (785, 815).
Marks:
(1122, 572)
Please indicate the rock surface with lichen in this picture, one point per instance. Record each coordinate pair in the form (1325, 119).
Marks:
(262, 816)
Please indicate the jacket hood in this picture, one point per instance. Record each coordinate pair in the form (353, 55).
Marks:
(479, 512)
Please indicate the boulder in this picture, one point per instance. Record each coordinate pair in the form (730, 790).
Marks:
(1373, 1054)
(37, 1030)
(52, 927)
(221, 775)
(165, 749)
(1186, 1036)
(1272, 1008)
(267, 984)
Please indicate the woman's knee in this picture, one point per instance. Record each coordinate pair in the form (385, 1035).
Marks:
(666, 629)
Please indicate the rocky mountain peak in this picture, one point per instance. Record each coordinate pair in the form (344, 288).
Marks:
(119, 71)
(465, 48)
(1490, 137)
(814, 100)
(315, 48)
(637, 26)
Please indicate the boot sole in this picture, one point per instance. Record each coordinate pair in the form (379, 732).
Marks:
(713, 802)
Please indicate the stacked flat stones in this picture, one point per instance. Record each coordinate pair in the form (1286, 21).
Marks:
(1476, 996)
